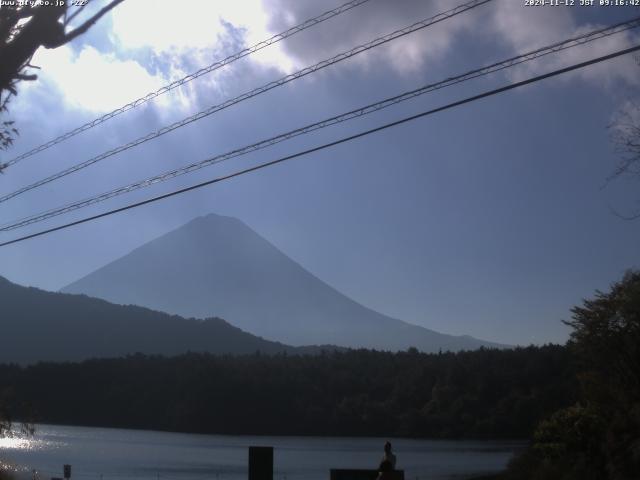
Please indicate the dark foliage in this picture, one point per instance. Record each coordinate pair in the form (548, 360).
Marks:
(24, 28)
(482, 394)
(599, 437)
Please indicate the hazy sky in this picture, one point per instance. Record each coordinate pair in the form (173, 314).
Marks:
(491, 219)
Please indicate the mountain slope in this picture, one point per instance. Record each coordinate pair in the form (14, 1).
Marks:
(36, 325)
(217, 265)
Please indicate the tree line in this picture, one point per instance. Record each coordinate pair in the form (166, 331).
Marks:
(477, 394)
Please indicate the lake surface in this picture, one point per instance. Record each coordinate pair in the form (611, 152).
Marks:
(117, 454)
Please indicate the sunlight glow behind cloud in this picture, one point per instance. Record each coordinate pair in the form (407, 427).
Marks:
(198, 25)
(196, 34)
(81, 78)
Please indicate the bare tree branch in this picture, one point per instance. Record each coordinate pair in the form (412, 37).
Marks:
(70, 18)
(86, 25)
(23, 29)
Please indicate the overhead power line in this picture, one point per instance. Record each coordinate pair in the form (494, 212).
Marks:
(311, 22)
(332, 144)
(252, 93)
(374, 107)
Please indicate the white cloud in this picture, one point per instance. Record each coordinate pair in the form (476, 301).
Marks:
(525, 29)
(371, 20)
(184, 39)
(95, 81)
(199, 25)
(503, 23)
(162, 26)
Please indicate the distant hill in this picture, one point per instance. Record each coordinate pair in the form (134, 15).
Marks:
(217, 265)
(36, 325)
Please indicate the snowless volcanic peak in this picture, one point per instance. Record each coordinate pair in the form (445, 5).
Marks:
(218, 266)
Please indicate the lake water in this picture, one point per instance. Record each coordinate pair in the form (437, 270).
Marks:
(116, 454)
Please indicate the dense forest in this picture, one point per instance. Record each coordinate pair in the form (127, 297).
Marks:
(485, 393)
(598, 437)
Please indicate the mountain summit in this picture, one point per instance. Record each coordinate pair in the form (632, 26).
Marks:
(218, 266)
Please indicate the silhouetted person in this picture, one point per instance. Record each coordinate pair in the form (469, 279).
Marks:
(388, 462)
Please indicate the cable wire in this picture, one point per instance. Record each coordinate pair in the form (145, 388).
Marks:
(448, 106)
(192, 76)
(371, 108)
(252, 93)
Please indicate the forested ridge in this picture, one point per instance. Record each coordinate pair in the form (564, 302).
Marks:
(49, 326)
(481, 394)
